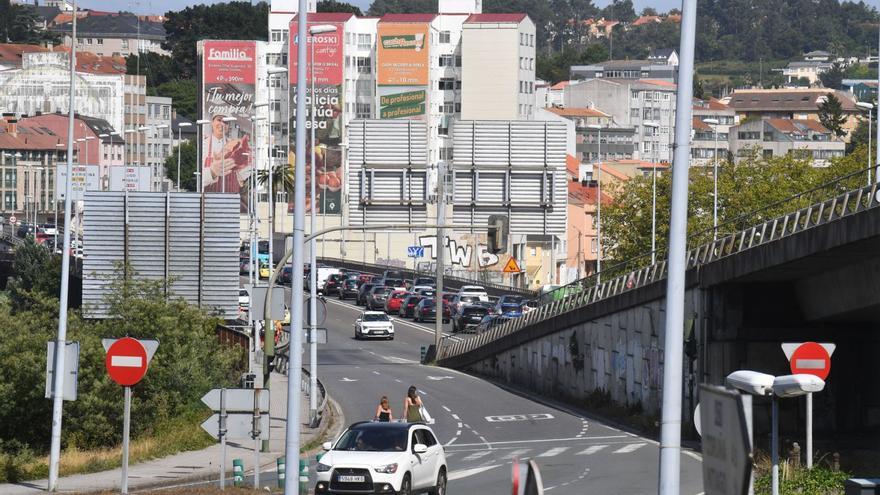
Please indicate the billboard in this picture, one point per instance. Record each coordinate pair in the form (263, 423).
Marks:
(85, 178)
(229, 75)
(402, 105)
(324, 116)
(402, 54)
(125, 178)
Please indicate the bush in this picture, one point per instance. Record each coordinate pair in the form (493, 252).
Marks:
(795, 479)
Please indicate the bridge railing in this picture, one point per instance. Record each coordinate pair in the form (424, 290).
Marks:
(620, 278)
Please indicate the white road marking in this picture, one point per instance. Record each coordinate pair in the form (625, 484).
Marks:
(626, 449)
(374, 372)
(455, 417)
(459, 424)
(477, 455)
(446, 409)
(553, 452)
(464, 473)
(347, 379)
(438, 378)
(515, 453)
(451, 441)
(397, 380)
(508, 442)
(591, 450)
(458, 433)
(518, 417)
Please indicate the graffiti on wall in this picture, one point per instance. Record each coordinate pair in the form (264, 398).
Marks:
(459, 254)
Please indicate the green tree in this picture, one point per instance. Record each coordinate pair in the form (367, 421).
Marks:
(188, 158)
(334, 6)
(833, 77)
(18, 24)
(382, 7)
(184, 94)
(556, 67)
(282, 177)
(157, 68)
(649, 11)
(859, 71)
(831, 115)
(620, 10)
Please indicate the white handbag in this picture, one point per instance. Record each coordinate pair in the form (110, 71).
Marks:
(426, 417)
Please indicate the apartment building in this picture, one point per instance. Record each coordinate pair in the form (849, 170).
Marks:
(791, 103)
(801, 138)
(158, 139)
(135, 97)
(712, 121)
(115, 34)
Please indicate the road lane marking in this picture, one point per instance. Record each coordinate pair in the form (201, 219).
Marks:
(376, 373)
(477, 455)
(446, 409)
(458, 433)
(455, 417)
(508, 442)
(518, 417)
(459, 424)
(347, 379)
(464, 473)
(626, 449)
(451, 441)
(553, 452)
(591, 450)
(515, 453)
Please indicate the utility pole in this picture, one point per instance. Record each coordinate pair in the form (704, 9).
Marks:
(441, 249)
(670, 428)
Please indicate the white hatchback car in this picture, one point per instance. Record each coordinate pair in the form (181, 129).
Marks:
(474, 290)
(377, 457)
(374, 324)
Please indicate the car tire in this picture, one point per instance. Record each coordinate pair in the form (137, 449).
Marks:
(357, 336)
(440, 487)
(405, 486)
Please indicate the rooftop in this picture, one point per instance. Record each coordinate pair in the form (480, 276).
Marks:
(577, 112)
(710, 104)
(788, 99)
(797, 126)
(407, 18)
(560, 85)
(480, 18)
(114, 25)
(329, 16)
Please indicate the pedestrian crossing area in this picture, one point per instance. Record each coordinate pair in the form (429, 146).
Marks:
(471, 455)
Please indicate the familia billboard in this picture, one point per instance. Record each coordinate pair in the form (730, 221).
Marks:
(324, 109)
(229, 75)
(403, 69)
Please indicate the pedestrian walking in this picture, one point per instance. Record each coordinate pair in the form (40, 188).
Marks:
(412, 406)
(383, 411)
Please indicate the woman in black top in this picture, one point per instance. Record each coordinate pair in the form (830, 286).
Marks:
(383, 411)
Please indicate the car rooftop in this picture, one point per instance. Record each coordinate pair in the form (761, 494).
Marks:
(383, 425)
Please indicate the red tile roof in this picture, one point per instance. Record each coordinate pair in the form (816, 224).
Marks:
(560, 85)
(328, 16)
(586, 194)
(29, 137)
(658, 82)
(85, 61)
(577, 112)
(407, 18)
(699, 125)
(790, 125)
(572, 164)
(646, 19)
(710, 104)
(479, 18)
(11, 52)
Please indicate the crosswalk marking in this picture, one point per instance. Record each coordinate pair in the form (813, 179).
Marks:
(477, 455)
(591, 450)
(515, 453)
(553, 452)
(629, 448)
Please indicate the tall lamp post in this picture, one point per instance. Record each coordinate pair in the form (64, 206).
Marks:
(654, 146)
(180, 126)
(226, 120)
(313, 272)
(868, 108)
(714, 124)
(597, 127)
(200, 123)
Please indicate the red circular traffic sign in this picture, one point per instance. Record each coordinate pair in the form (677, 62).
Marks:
(812, 359)
(126, 361)
(13, 220)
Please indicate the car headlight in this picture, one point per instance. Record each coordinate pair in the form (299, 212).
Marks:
(387, 469)
(323, 468)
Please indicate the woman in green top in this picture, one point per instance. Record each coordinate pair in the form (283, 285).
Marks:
(412, 406)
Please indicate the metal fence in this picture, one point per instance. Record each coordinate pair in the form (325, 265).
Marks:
(604, 285)
(282, 366)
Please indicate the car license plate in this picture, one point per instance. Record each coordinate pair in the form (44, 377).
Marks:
(350, 479)
(378, 332)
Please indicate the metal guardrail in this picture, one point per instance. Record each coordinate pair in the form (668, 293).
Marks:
(578, 295)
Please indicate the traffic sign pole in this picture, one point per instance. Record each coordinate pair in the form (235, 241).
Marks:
(126, 428)
(814, 359)
(810, 430)
(222, 431)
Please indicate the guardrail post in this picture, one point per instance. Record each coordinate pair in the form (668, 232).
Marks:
(303, 476)
(280, 471)
(237, 472)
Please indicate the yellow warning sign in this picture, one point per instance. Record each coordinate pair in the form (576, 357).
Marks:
(512, 266)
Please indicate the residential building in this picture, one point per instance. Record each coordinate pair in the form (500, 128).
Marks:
(498, 67)
(817, 56)
(617, 143)
(582, 117)
(802, 138)
(158, 139)
(583, 243)
(42, 85)
(135, 97)
(808, 69)
(634, 168)
(117, 34)
(64, 5)
(861, 89)
(663, 56)
(710, 139)
(790, 103)
(631, 104)
(626, 69)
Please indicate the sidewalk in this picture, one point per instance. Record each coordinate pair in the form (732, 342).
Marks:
(189, 466)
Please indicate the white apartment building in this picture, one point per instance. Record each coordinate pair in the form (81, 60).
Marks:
(158, 138)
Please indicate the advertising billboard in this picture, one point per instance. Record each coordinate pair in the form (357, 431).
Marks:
(125, 178)
(85, 178)
(324, 115)
(402, 54)
(402, 105)
(229, 75)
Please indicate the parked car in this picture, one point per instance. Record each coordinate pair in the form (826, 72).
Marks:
(364, 278)
(394, 283)
(331, 285)
(408, 306)
(285, 276)
(474, 290)
(373, 324)
(489, 322)
(423, 281)
(376, 298)
(460, 301)
(509, 299)
(348, 289)
(393, 301)
(468, 317)
(363, 290)
(264, 271)
(393, 274)
(427, 310)
(383, 457)
(509, 310)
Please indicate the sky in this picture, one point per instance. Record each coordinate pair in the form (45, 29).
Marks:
(162, 6)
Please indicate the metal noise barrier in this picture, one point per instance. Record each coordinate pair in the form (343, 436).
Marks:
(571, 297)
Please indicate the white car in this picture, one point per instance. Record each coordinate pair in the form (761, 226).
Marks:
(474, 290)
(374, 324)
(377, 457)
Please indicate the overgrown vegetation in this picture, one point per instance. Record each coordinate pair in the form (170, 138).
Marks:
(796, 479)
(165, 409)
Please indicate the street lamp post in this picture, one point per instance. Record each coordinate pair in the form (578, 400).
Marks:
(598, 128)
(180, 126)
(714, 124)
(869, 107)
(654, 146)
(199, 124)
(313, 272)
(226, 120)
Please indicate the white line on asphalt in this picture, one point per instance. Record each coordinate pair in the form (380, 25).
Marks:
(459, 424)
(629, 448)
(451, 441)
(591, 450)
(484, 440)
(515, 453)
(446, 409)
(464, 473)
(374, 372)
(553, 452)
(508, 442)
(397, 380)
(458, 433)
(455, 417)
(477, 455)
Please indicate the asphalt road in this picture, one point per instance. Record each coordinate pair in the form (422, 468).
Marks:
(483, 426)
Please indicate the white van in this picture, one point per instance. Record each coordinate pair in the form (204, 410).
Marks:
(474, 291)
(324, 273)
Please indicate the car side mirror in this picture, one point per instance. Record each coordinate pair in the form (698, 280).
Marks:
(420, 448)
(327, 446)
(358, 320)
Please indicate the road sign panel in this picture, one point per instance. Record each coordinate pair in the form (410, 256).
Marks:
(237, 399)
(238, 426)
(809, 358)
(726, 438)
(71, 369)
(415, 251)
(320, 315)
(126, 361)
(512, 266)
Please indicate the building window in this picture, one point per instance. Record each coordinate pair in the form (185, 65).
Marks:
(446, 83)
(457, 107)
(364, 65)
(447, 60)
(100, 41)
(445, 37)
(447, 107)
(364, 87)
(275, 105)
(364, 111)
(364, 41)
(277, 35)
(274, 82)
(534, 252)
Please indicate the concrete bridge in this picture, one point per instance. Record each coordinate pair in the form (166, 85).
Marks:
(812, 274)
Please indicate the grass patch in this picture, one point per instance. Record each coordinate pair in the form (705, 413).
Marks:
(170, 437)
(796, 479)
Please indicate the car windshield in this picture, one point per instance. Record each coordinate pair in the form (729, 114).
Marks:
(242, 293)
(510, 307)
(424, 281)
(381, 290)
(468, 299)
(484, 304)
(375, 317)
(373, 440)
(512, 299)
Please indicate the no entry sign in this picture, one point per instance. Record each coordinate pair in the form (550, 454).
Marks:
(809, 358)
(127, 359)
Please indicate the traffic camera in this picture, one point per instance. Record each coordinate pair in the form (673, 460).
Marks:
(497, 234)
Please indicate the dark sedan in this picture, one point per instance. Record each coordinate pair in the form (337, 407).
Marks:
(427, 310)
(348, 288)
(408, 306)
(331, 285)
(361, 298)
(468, 317)
(377, 297)
(285, 276)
